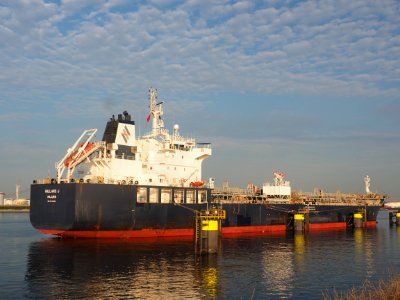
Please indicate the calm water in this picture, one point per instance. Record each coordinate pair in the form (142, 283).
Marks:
(33, 265)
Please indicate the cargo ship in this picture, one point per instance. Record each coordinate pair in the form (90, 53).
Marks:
(124, 186)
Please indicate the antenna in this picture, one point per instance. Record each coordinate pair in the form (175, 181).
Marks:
(279, 178)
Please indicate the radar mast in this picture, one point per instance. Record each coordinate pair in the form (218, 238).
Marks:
(156, 111)
(367, 181)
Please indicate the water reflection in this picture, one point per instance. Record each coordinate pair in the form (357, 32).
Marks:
(398, 233)
(364, 247)
(369, 253)
(116, 269)
(299, 244)
(208, 271)
(278, 266)
(298, 266)
(358, 241)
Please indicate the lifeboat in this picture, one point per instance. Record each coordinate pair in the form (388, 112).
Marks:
(73, 157)
(197, 183)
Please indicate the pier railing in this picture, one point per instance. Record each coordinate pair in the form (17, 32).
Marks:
(238, 195)
(229, 190)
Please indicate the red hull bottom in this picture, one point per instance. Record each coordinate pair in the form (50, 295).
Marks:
(162, 233)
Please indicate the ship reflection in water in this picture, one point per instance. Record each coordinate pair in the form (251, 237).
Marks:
(280, 266)
(113, 268)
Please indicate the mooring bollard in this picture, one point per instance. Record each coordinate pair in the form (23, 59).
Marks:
(298, 222)
(209, 236)
(207, 231)
(398, 218)
(358, 220)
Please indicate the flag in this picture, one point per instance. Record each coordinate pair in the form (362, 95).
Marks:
(148, 118)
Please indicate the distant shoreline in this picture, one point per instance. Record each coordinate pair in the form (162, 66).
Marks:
(14, 208)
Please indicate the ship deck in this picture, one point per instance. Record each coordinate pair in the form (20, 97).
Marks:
(236, 195)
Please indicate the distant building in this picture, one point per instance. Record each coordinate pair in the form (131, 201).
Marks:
(2, 195)
(21, 201)
(12, 201)
(393, 204)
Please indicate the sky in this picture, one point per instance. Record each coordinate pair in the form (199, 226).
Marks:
(308, 88)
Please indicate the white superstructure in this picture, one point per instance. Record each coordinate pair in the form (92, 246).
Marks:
(158, 158)
(280, 188)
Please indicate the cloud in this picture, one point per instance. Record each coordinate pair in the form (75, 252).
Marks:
(297, 47)
(72, 7)
(74, 61)
(151, 42)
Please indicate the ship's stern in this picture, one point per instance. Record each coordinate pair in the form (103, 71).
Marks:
(52, 208)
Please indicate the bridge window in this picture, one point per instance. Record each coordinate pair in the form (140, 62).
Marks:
(142, 195)
(178, 196)
(190, 196)
(153, 195)
(202, 196)
(166, 195)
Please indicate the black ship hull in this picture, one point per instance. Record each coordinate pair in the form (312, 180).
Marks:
(125, 211)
